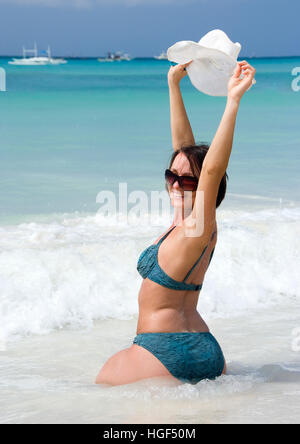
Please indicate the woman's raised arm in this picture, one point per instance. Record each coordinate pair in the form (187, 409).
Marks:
(217, 158)
(182, 134)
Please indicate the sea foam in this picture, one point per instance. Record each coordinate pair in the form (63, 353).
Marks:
(75, 270)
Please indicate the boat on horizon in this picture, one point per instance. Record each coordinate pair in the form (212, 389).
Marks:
(162, 56)
(35, 59)
(115, 57)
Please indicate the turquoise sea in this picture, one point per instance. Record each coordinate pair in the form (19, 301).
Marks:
(69, 131)
(68, 278)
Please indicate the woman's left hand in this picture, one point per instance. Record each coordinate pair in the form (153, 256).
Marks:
(237, 86)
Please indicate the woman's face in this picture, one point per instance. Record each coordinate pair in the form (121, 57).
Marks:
(181, 167)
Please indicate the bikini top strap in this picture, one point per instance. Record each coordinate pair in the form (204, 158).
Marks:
(167, 234)
(196, 263)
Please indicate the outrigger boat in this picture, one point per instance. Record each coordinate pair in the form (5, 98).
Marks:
(35, 59)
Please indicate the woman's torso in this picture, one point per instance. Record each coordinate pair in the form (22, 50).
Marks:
(163, 309)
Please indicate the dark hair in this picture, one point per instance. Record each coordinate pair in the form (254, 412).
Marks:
(195, 155)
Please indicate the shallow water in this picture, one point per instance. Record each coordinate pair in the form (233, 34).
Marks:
(49, 379)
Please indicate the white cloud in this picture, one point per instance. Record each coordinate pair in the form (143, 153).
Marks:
(79, 4)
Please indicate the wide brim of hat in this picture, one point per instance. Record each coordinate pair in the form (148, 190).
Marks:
(210, 70)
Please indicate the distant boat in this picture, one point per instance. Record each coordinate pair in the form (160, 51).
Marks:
(115, 57)
(36, 60)
(162, 56)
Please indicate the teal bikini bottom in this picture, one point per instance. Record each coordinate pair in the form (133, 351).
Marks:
(189, 357)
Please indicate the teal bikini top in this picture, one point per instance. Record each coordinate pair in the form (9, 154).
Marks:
(148, 267)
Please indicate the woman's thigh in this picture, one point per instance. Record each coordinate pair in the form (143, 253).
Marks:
(130, 365)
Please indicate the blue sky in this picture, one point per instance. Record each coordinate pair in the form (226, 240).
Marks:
(147, 27)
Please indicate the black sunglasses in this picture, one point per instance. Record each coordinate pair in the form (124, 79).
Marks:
(187, 183)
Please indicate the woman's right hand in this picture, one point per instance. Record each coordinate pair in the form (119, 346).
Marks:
(177, 73)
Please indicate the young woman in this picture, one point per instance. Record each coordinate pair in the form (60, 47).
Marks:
(172, 339)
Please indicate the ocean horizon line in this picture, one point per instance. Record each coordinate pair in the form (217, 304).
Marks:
(151, 57)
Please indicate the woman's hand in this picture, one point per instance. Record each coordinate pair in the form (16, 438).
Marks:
(176, 73)
(236, 86)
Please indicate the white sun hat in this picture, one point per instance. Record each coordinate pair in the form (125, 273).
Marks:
(214, 61)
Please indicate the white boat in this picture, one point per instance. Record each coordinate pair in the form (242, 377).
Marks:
(35, 59)
(115, 57)
(125, 57)
(162, 56)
